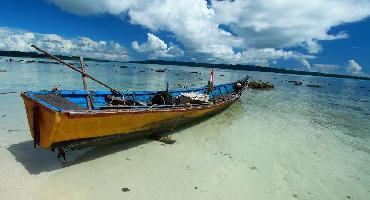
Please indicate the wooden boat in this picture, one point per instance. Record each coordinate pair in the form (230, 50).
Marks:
(62, 119)
(81, 118)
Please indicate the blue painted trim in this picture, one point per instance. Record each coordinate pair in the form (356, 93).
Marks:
(100, 94)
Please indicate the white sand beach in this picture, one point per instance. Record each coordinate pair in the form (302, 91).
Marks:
(289, 143)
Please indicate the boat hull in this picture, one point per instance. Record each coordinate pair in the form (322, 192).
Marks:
(51, 129)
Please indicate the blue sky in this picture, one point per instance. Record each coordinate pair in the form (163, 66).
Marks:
(332, 37)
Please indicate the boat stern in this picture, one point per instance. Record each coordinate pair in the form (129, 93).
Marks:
(42, 121)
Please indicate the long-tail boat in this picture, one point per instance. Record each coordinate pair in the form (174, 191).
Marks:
(80, 118)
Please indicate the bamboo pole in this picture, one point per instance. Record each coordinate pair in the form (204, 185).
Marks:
(76, 69)
(84, 81)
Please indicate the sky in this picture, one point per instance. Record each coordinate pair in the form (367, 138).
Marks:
(330, 36)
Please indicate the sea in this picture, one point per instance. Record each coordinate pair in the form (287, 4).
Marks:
(291, 142)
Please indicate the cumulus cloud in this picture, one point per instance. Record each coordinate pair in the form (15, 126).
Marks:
(262, 57)
(305, 63)
(219, 29)
(326, 68)
(156, 48)
(287, 23)
(19, 40)
(354, 67)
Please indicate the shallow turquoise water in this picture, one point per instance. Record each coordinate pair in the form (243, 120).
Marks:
(313, 143)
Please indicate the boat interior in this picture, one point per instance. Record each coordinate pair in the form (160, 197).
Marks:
(63, 100)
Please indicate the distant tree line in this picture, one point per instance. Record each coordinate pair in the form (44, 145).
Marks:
(249, 68)
(37, 55)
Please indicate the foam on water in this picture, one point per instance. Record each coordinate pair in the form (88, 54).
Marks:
(292, 142)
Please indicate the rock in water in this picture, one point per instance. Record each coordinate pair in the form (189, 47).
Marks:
(260, 85)
(125, 189)
(314, 86)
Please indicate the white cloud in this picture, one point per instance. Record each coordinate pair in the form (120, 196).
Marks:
(262, 57)
(312, 46)
(305, 63)
(19, 40)
(326, 68)
(156, 47)
(287, 23)
(354, 67)
(257, 26)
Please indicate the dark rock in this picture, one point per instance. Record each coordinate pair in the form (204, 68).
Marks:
(161, 70)
(253, 167)
(193, 72)
(47, 62)
(221, 75)
(125, 189)
(177, 74)
(3, 70)
(295, 196)
(167, 140)
(349, 197)
(123, 66)
(260, 85)
(13, 130)
(196, 187)
(313, 86)
(164, 139)
(296, 82)
(362, 87)
(7, 92)
(3, 116)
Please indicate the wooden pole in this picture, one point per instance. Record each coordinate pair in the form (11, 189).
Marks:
(76, 69)
(84, 81)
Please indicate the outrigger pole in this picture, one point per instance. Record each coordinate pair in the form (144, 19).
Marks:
(76, 69)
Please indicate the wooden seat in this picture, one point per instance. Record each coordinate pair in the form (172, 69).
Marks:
(58, 101)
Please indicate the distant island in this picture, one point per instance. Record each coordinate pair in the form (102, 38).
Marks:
(38, 55)
(249, 68)
(191, 64)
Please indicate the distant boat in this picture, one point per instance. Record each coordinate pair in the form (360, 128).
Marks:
(67, 119)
